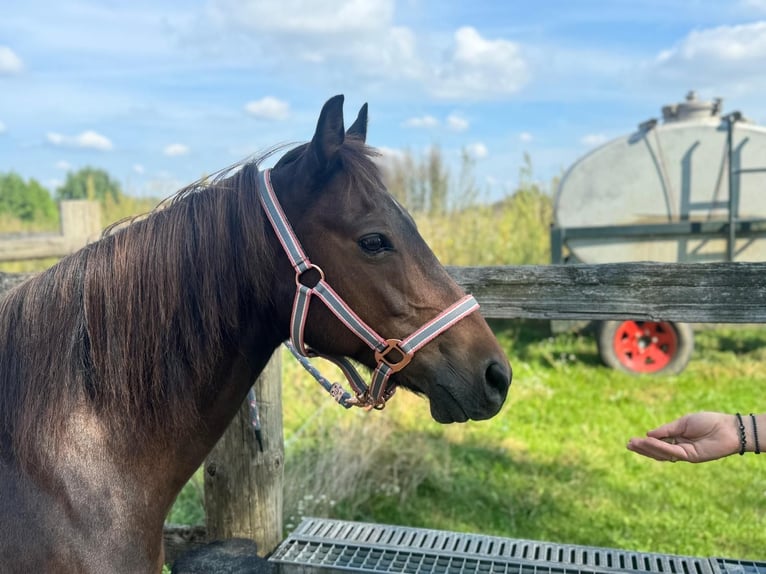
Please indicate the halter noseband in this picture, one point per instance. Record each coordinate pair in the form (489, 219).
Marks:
(391, 355)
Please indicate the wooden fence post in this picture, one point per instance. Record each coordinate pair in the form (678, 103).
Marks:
(243, 486)
(80, 224)
(80, 221)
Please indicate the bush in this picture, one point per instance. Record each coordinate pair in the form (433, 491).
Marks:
(27, 202)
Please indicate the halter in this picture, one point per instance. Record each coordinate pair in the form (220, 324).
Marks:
(391, 355)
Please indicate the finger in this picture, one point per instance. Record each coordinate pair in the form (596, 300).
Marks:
(657, 449)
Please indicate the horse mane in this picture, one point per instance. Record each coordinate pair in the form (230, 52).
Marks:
(131, 325)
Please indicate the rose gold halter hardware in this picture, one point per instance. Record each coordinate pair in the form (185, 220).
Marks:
(386, 351)
(384, 356)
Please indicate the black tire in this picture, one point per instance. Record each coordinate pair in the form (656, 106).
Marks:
(622, 345)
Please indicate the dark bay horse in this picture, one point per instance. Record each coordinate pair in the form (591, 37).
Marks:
(122, 365)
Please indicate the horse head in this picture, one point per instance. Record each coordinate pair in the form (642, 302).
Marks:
(370, 252)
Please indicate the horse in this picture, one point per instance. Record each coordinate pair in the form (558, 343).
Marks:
(123, 364)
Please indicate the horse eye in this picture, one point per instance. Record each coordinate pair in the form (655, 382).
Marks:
(374, 243)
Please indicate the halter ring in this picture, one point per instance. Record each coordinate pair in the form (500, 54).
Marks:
(311, 267)
(383, 356)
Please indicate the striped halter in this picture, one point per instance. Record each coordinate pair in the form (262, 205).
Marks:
(391, 355)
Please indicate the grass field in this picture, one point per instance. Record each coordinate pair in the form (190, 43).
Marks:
(552, 465)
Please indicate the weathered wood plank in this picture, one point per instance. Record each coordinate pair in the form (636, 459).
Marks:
(684, 292)
(80, 224)
(243, 486)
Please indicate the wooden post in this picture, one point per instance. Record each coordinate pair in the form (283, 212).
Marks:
(80, 224)
(243, 486)
(80, 220)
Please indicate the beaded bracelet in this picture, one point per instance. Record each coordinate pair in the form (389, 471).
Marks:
(755, 434)
(742, 439)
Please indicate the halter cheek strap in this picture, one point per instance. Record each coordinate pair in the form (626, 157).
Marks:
(391, 355)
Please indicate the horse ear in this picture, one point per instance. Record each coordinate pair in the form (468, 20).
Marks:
(359, 127)
(330, 132)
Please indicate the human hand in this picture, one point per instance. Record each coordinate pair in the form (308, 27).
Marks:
(698, 437)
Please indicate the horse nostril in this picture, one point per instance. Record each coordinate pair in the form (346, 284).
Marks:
(498, 377)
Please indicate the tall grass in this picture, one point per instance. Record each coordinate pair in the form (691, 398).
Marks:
(456, 218)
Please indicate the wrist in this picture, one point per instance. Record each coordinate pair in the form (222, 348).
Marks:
(755, 432)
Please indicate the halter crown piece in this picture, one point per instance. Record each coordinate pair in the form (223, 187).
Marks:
(392, 355)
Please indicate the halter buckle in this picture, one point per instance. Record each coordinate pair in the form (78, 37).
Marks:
(383, 356)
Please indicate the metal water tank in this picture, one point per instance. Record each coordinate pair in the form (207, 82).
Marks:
(677, 170)
(690, 188)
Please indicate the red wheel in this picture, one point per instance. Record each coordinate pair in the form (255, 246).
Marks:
(646, 346)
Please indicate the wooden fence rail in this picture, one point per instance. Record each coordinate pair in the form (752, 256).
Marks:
(694, 292)
(683, 292)
(80, 223)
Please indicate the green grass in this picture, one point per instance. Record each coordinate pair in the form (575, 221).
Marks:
(552, 465)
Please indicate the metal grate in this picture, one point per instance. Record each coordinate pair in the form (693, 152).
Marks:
(330, 546)
(729, 566)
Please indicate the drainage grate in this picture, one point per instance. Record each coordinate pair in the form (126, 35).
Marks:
(330, 546)
(728, 566)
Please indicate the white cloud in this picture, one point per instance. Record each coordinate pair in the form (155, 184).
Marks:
(457, 123)
(298, 17)
(526, 137)
(10, 63)
(389, 55)
(758, 5)
(138, 168)
(722, 44)
(268, 108)
(342, 41)
(356, 36)
(422, 122)
(724, 59)
(63, 165)
(86, 140)
(480, 69)
(477, 150)
(175, 150)
(593, 140)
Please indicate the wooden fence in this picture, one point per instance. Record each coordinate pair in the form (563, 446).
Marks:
(693, 293)
(80, 223)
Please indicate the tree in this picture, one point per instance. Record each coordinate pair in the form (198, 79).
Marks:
(90, 183)
(28, 201)
(421, 184)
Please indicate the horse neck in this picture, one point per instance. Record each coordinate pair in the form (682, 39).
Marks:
(229, 328)
(177, 318)
(123, 364)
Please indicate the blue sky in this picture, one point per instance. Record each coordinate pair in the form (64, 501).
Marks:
(159, 93)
